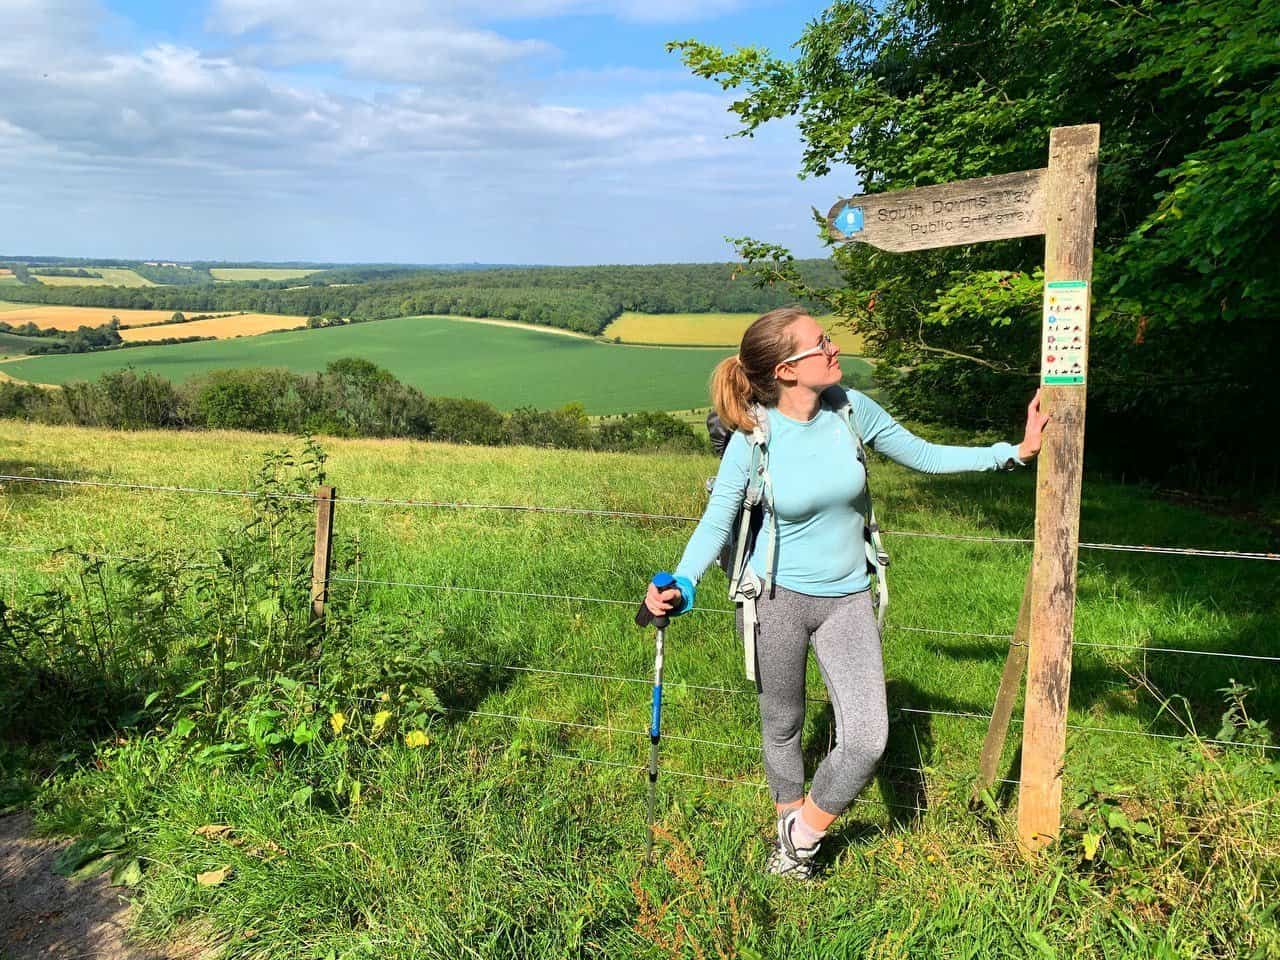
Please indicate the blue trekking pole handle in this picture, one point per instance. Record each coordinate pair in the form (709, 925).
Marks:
(644, 616)
(663, 581)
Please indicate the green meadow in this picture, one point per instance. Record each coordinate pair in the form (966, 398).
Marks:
(510, 367)
(501, 813)
(15, 345)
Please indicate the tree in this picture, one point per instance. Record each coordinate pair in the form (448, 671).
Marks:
(917, 92)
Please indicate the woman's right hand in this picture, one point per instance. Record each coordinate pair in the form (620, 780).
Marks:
(661, 601)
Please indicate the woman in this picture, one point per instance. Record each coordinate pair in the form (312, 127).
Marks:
(821, 587)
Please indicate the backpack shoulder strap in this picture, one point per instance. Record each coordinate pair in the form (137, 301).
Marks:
(759, 489)
(837, 399)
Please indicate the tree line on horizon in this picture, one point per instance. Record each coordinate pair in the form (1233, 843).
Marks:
(582, 299)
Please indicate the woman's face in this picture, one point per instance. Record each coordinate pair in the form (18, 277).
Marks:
(815, 361)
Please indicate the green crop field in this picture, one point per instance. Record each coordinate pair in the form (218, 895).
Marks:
(704, 328)
(231, 274)
(16, 346)
(457, 768)
(13, 345)
(507, 366)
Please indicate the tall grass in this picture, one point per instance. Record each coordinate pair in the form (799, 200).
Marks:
(466, 803)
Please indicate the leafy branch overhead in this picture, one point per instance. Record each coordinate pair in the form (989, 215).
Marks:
(914, 93)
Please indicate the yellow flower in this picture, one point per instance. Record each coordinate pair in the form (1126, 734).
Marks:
(416, 738)
(380, 720)
(338, 720)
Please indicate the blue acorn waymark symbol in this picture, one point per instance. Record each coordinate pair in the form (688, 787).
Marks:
(849, 220)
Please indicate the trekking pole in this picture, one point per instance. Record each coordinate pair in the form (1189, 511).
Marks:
(663, 581)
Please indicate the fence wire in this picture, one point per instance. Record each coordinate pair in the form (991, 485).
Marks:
(612, 514)
(1008, 637)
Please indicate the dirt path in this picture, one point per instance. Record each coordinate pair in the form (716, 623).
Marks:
(51, 917)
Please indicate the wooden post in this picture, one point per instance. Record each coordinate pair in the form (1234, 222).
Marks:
(1059, 201)
(1010, 683)
(323, 551)
(1070, 217)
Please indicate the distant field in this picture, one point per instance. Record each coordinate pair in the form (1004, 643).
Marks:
(701, 328)
(443, 357)
(236, 325)
(69, 318)
(12, 345)
(258, 273)
(111, 277)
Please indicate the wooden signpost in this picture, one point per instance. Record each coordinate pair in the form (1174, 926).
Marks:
(1058, 201)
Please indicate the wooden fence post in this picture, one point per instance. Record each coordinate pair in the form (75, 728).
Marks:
(323, 550)
(1070, 217)
(1010, 683)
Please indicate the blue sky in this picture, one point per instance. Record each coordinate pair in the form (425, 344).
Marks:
(523, 131)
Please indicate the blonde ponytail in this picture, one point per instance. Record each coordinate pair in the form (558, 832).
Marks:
(731, 394)
(747, 377)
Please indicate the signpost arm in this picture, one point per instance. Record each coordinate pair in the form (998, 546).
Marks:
(1070, 216)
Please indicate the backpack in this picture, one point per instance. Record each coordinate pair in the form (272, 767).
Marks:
(745, 585)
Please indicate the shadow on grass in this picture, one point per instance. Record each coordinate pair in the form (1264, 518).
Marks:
(469, 675)
(1109, 682)
(1204, 605)
(899, 781)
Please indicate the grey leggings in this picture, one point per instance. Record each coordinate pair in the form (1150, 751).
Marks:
(846, 642)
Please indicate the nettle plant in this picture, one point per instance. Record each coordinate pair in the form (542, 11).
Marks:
(219, 653)
(1205, 823)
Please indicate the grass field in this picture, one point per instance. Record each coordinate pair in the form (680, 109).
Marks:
(719, 329)
(111, 277)
(517, 828)
(231, 274)
(50, 317)
(443, 357)
(12, 345)
(236, 325)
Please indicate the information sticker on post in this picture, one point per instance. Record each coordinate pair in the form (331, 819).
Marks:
(1060, 202)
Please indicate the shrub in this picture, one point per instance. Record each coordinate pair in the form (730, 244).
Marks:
(650, 430)
(565, 428)
(125, 400)
(244, 399)
(465, 421)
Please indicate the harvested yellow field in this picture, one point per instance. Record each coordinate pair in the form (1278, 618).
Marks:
(111, 277)
(258, 273)
(704, 329)
(236, 325)
(49, 317)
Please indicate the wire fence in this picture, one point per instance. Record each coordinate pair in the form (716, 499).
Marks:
(900, 712)
(610, 514)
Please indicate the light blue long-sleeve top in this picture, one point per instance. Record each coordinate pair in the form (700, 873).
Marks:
(818, 483)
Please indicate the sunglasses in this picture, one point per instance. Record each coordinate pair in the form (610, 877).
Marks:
(824, 347)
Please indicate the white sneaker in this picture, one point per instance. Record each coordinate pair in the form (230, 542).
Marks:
(787, 859)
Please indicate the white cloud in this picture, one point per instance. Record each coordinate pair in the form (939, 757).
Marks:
(271, 162)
